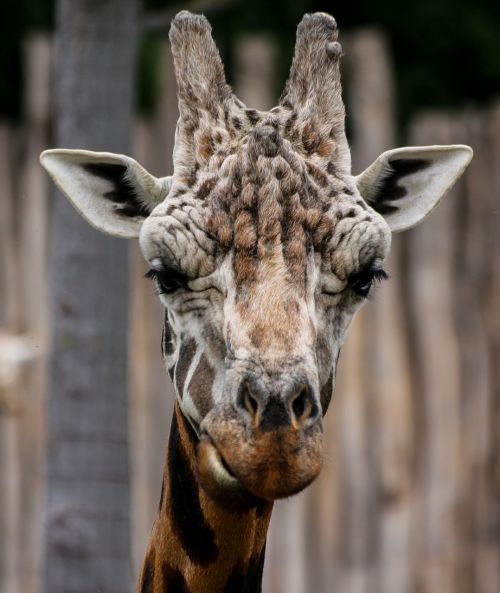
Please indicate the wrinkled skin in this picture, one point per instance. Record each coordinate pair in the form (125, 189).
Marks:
(268, 254)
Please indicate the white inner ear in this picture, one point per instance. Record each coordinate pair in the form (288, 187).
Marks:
(92, 193)
(415, 193)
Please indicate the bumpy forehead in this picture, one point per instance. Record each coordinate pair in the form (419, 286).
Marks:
(260, 190)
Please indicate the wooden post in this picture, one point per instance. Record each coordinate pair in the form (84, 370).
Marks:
(255, 73)
(432, 287)
(23, 312)
(8, 272)
(9, 374)
(355, 518)
(152, 394)
(33, 222)
(370, 96)
(385, 359)
(480, 339)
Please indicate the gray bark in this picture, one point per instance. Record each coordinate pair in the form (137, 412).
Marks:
(88, 498)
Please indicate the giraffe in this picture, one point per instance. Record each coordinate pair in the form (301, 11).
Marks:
(262, 246)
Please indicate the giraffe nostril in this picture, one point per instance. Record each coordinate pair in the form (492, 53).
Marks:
(293, 406)
(302, 406)
(299, 405)
(250, 402)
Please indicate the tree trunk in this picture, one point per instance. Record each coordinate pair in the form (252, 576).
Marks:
(88, 499)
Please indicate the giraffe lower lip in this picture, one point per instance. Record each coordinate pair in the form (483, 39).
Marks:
(216, 464)
(218, 480)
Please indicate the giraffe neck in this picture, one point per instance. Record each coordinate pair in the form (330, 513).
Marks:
(198, 546)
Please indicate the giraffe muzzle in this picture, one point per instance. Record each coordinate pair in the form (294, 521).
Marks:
(267, 447)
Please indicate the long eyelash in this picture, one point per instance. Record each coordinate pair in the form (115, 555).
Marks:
(166, 280)
(380, 275)
(154, 275)
(151, 274)
(363, 283)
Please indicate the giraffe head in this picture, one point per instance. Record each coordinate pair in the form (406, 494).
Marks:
(262, 247)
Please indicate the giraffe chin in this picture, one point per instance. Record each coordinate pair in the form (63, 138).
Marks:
(238, 465)
(217, 480)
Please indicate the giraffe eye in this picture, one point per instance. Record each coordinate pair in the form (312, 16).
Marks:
(167, 279)
(362, 282)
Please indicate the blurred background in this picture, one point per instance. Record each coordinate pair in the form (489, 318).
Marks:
(409, 499)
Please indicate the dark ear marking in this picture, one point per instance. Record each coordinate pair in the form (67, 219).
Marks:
(405, 167)
(388, 189)
(385, 208)
(123, 193)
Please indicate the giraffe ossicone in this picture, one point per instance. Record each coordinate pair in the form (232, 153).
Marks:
(262, 246)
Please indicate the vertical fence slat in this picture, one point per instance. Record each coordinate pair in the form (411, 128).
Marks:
(354, 549)
(437, 370)
(255, 72)
(151, 392)
(33, 219)
(484, 192)
(9, 313)
(10, 479)
(384, 360)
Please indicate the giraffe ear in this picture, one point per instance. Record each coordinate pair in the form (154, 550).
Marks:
(111, 191)
(405, 184)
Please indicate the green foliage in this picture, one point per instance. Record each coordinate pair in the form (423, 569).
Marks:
(148, 73)
(19, 17)
(445, 53)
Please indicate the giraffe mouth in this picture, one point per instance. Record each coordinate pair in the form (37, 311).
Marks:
(218, 480)
(216, 463)
(263, 465)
